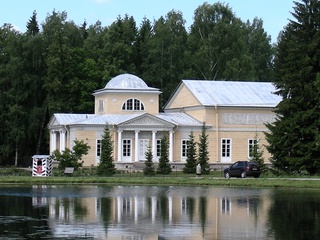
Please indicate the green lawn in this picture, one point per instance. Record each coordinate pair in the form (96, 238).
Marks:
(18, 176)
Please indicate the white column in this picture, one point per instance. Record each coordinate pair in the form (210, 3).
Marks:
(62, 140)
(136, 145)
(170, 209)
(53, 141)
(136, 210)
(154, 145)
(120, 206)
(119, 145)
(153, 208)
(171, 146)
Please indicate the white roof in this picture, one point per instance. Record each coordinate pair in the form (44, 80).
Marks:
(180, 119)
(127, 83)
(230, 93)
(66, 119)
(92, 119)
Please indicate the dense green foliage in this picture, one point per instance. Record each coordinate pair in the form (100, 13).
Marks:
(149, 169)
(55, 67)
(106, 166)
(295, 135)
(191, 161)
(71, 158)
(164, 166)
(203, 152)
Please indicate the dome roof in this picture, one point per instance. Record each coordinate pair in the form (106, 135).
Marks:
(126, 81)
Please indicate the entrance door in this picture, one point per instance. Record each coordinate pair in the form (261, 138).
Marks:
(226, 150)
(126, 150)
(143, 148)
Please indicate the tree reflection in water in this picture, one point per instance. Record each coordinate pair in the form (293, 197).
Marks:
(295, 214)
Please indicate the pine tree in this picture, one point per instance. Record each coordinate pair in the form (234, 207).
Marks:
(149, 168)
(106, 165)
(294, 136)
(32, 25)
(203, 154)
(256, 154)
(191, 161)
(164, 166)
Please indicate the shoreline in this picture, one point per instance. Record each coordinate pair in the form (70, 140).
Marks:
(310, 183)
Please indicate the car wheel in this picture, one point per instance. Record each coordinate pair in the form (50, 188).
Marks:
(256, 176)
(243, 174)
(226, 175)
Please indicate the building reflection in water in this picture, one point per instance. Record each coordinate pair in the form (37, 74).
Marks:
(143, 212)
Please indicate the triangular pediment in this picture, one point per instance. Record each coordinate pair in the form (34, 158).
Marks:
(53, 122)
(182, 98)
(146, 120)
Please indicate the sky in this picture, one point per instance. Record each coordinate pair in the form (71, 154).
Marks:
(274, 13)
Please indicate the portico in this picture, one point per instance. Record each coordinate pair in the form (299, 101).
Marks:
(141, 140)
(136, 135)
(58, 140)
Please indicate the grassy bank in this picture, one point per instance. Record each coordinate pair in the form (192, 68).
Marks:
(18, 176)
(167, 180)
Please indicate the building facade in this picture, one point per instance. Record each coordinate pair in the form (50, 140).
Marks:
(235, 114)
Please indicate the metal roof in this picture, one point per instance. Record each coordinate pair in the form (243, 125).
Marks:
(181, 119)
(126, 83)
(92, 119)
(230, 93)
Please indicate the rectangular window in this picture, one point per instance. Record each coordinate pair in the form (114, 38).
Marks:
(126, 148)
(251, 146)
(100, 109)
(129, 104)
(98, 151)
(184, 148)
(226, 147)
(158, 147)
(143, 148)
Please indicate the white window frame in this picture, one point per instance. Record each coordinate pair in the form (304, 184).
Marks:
(98, 147)
(143, 148)
(126, 147)
(133, 104)
(251, 143)
(158, 152)
(184, 148)
(100, 106)
(226, 150)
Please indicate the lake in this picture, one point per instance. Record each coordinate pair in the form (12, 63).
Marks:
(146, 212)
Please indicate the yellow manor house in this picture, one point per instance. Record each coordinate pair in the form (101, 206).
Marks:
(235, 114)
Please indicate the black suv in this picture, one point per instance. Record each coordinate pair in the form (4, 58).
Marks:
(243, 169)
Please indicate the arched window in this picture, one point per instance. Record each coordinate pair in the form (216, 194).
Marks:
(133, 104)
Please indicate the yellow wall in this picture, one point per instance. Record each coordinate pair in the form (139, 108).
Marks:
(185, 99)
(113, 102)
(89, 137)
(238, 133)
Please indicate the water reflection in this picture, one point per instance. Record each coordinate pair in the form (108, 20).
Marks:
(143, 212)
(295, 215)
